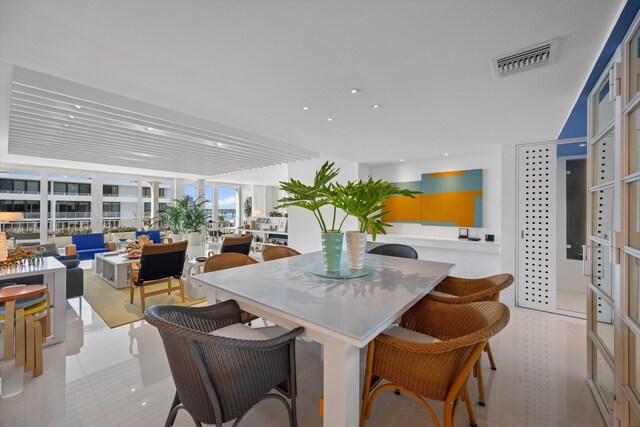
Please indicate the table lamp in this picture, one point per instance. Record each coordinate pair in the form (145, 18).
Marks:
(7, 217)
(3, 247)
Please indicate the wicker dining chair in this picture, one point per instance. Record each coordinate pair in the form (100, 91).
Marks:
(239, 244)
(271, 253)
(436, 370)
(217, 378)
(395, 249)
(158, 264)
(457, 290)
(230, 260)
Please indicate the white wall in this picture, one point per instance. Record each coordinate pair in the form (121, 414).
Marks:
(304, 231)
(412, 171)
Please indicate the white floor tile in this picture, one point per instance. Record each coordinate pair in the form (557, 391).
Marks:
(120, 377)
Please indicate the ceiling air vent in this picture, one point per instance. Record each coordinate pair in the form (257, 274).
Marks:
(524, 59)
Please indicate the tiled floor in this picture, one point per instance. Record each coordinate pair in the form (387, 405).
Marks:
(120, 377)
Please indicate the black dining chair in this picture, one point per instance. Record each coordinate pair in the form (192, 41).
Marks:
(238, 244)
(395, 249)
(220, 376)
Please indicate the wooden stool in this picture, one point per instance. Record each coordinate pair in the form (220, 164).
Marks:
(26, 325)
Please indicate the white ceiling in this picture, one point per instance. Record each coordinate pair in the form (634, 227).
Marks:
(253, 65)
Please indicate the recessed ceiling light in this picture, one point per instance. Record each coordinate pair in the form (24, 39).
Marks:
(354, 90)
(329, 119)
(375, 106)
(71, 117)
(583, 145)
(149, 128)
(66, 126)
(402, 160)
(219, 144)
(305, 108)
(446, 154)
(77, 106)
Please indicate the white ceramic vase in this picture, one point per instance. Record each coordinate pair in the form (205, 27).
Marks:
(356, 243)
(194, 237)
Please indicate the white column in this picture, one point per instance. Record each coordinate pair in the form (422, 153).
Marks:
(179, 188)
(140, 214)
(341, 383)
(214, 203)
(44, 208)
(200, 189)
(155, 199)
(96, 202)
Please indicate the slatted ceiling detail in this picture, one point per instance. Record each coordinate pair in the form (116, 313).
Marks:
(107, 134)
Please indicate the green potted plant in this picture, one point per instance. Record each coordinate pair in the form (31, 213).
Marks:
(194, 217)
(313, 198)
(172, 218)
(365, 201)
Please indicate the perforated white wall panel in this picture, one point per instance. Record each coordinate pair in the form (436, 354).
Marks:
(536, 284)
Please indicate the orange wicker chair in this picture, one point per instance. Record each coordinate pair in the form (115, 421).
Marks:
(456, 290)
(436, 370)
(271, 253)
(230, 260)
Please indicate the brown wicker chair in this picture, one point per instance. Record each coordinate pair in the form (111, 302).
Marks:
(219, 379)
(436, 370)
(159, 263)
(239, 244)
(230, 260)
(271, 253)
(457, 290)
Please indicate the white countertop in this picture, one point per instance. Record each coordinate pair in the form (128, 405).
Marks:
(439, 242)
(45, 265)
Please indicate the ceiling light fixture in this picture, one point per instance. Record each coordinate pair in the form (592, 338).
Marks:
(446, 154)
(583, 145)
(354, 90)
(329, 119)
(149, 128)
(401, 160)
(305, 108)
(66, 126)
(219, 144)
(77, 106)
(375, 106)
(71, 117)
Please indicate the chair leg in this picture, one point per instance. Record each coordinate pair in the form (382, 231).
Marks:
(449, 412)
(366, 389)
(490, 354)
(20, 337)
(130, 294)
(169, 286)
(37, 369)
(181, 288)
(467, 401)
(142, 296)
(480, 382)
(173, 412)
(30, 343)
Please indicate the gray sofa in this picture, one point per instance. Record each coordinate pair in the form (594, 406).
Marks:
(75, 274)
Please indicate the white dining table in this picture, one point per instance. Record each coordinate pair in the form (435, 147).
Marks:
(342, 314)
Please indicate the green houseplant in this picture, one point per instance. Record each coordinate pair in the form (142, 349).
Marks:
(171, 218)
(365, 201)
(313, 197)
(194, 217)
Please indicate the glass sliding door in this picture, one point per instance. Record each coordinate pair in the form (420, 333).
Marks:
(599, 268)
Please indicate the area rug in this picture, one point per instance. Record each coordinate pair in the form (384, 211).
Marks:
(112, 304)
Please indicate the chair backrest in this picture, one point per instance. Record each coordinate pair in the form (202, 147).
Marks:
(88, 241)
(463, 331)
(271, 253)
(238, 244)
(472, 290)
(154, 235)
(395, 249)
(162, 261)
(188, 345)
(227, 260)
